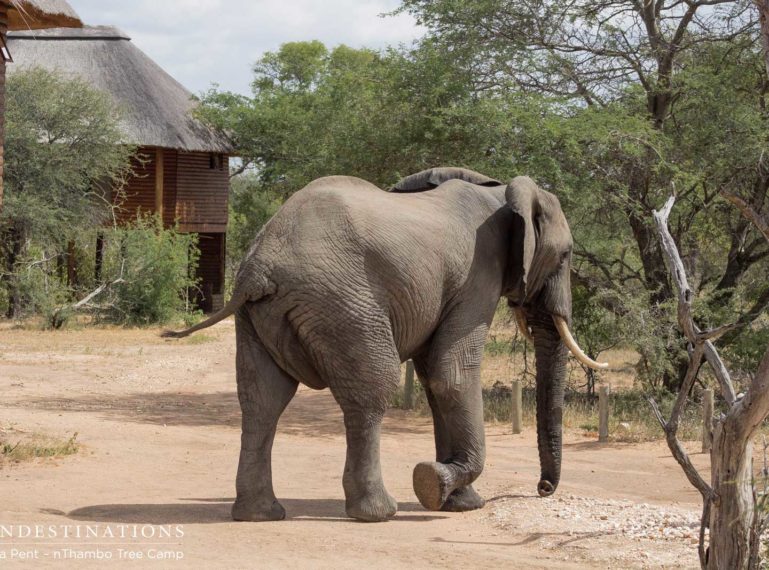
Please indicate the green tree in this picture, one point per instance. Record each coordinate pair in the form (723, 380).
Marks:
(610, 153)
(655, 96)
(317, 112)
(63, 156)
(250, 208)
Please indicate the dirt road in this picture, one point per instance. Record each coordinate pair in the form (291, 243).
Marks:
(158, 423)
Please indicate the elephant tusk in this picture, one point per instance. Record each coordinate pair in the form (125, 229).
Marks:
(523, 326)
(571, 344)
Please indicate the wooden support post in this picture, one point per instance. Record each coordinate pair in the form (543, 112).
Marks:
(517, 404)
(99, 261)
(603, 413)
(707, 420)
(159, 174)
(3, 30)
(71, 264)
(408, 390)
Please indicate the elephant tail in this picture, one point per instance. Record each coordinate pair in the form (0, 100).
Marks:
(240, 296)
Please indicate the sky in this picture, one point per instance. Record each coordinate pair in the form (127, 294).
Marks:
(200, 42)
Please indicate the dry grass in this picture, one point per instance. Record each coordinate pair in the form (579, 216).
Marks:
(17, 446)
(630, 419)
(199, 338)
(507, 357)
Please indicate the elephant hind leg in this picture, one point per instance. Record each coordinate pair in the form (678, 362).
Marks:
(363, 380)
(366, 498)
(264, 391)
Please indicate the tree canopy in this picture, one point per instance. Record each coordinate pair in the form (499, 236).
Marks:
(613, 105)
(65, 166)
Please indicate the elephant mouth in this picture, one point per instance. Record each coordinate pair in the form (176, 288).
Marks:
(563, 330)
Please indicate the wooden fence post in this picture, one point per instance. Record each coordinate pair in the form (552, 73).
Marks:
(603, 413)
(707, 420)
(408, 391)
(517, 404)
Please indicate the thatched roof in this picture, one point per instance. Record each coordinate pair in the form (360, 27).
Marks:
(156, 108)
(38, 14)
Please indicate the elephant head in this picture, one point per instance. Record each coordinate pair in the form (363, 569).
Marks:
(539, 291)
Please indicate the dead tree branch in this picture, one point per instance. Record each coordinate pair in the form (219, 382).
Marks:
(685, 297)
(729, 499)
(761, 222)
(58, 317)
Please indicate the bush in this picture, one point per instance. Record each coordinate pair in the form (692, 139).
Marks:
(154, 270)
(39, 288)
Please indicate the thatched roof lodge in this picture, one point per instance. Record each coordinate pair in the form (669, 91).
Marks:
(24, 15)
(39, 14)
(183, 172)
(156, 108)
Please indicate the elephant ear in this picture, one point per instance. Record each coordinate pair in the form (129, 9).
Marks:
(521, 196)
(434, 177)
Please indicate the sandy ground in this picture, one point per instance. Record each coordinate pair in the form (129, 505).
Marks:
(159, 426)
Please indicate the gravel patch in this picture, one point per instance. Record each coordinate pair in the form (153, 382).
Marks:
(588, 528)
(588, 515)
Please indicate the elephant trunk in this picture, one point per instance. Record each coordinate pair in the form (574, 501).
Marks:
(551, 354)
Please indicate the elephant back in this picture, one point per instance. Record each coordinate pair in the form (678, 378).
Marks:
(434, 177)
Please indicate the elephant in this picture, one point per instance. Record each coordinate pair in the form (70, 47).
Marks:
(347, 281)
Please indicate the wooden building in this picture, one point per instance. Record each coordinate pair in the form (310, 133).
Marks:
(181, 166)
(27, 15)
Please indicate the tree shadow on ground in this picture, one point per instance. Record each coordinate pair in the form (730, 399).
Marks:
(310, 414)
(212, 511)
(598, 445)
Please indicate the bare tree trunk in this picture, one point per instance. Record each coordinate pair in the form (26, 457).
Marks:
(15, 238)
(729, 500)
(731, 514)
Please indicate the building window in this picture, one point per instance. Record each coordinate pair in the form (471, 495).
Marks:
(216, 161)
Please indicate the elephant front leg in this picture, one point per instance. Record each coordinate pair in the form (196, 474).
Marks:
(446, 484)
(464, 498)
(451, 374)
(366, 498)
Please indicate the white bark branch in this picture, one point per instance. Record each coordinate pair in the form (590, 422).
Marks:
(685, 295)
(93, 294)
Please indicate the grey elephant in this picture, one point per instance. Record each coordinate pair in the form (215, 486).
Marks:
(348, 281)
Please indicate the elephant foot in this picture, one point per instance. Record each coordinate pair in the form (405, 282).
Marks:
(256, 511)
(432, 484)
(463, 499)
(373, 507)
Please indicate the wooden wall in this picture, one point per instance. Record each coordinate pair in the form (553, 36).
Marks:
(201, 199)
(195, 196)
(139, 193)
(170, 178)
(210, 270)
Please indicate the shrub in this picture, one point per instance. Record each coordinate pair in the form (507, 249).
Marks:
(154, 270)
(40, 290)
